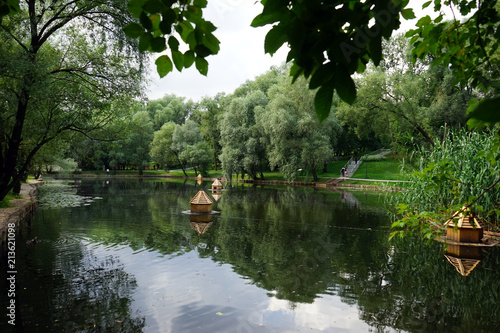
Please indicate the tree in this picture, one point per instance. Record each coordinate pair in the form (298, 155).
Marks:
(242, 150)
(169, 108)
(188, 147)
(161, 147)
(207, 116)
(293, 136)
(136, 144)
(61, 67)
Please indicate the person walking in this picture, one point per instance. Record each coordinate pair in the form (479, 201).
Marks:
(342, 172)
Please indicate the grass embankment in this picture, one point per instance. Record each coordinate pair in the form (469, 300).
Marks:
(388, 169)
(5, 203)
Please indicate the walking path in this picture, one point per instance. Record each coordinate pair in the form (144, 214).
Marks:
(19, 210)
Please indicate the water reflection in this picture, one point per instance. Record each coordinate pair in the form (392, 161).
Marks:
(272, 260)
(201, 222)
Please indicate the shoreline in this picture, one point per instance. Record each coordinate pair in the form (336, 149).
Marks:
(327, 185)
(14, 218)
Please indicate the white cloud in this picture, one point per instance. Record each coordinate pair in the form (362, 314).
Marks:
(240, 58)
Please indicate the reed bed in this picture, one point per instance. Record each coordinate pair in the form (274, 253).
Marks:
(452, 174)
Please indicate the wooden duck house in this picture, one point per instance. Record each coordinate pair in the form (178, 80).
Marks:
(464, 229)
(216, 186)
(201, 203)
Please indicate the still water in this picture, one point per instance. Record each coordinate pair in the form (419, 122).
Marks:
(121, 256)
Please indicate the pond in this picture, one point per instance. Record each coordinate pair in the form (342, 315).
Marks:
(120, 255)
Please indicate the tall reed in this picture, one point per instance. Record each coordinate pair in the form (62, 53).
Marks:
(452, 174)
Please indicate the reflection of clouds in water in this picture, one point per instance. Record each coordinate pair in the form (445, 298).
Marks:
(328, 314)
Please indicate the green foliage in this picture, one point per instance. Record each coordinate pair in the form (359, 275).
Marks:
(453, 175)
(63, 67)
(161, 147)
(470, 49)
(329, 42)
(374, 158)
(8, 7)
(160, 25)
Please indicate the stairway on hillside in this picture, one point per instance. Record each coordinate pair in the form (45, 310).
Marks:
(352, 167)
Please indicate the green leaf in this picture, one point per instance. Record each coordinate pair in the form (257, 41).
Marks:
(376, 49)
(146, 21)
(344, 84)
(178, 59)
(426, 4)
(202, 51)
(135, 7)
(274, 39)
(487, 110)
(322, 75)
(211, 42)
(173, 43)
(201, 65)
(164, 65)
(145, 42)
(153, 6)
(323, 101)
(408, 14)
(188, 58)
(200, 3)
(133, 30)
(264, 19)
(158, 44)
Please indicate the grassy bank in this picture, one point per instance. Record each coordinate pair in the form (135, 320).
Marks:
(388, 169)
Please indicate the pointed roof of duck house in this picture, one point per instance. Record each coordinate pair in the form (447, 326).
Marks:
(217, 182)
(465, 220)
(216, 196)
(199, 176)
(200, 227)
(463, 266)
(201, 198)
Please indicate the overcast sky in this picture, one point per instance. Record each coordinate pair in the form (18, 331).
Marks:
(241, 56)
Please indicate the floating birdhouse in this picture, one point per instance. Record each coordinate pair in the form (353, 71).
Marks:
(464, 229)
(201, 203)
(217, 185)
(199, 179)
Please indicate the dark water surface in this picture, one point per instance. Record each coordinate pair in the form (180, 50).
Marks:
(122, 257)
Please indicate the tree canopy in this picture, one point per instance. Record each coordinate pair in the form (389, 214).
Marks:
(62, 67)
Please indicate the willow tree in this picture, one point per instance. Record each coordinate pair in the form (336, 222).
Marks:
(62, 66)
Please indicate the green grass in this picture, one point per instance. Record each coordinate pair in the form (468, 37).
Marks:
(5, 203)
(389, 169)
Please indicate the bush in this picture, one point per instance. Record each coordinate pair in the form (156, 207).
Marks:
(373, 158)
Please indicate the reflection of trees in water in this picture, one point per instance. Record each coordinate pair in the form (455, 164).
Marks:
(289, 241)
(422, 292)
(64, 287)
(97, 292)
(298, 244)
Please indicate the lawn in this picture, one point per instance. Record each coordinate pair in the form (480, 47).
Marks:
(389, 169)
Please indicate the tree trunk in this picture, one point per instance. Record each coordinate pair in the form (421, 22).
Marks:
(313, 170)
(215, 157)
(10, 157)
